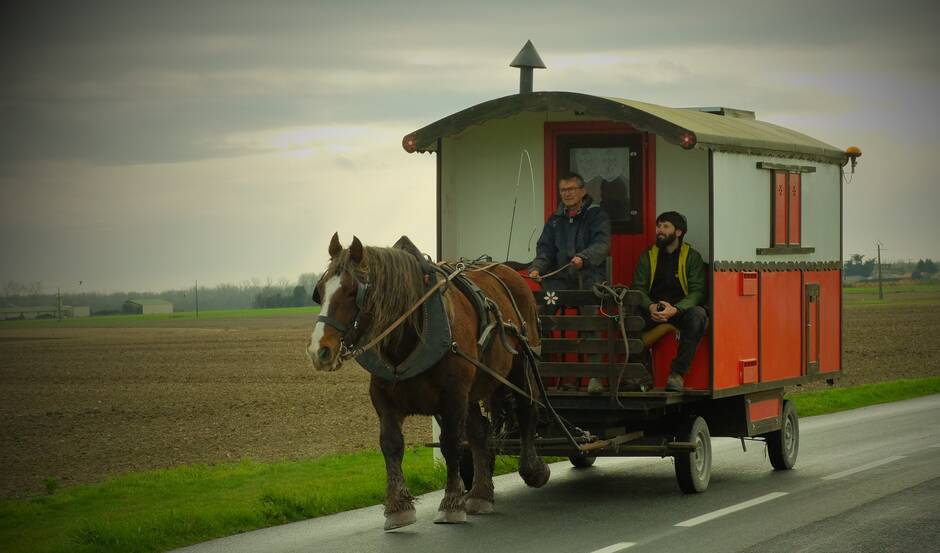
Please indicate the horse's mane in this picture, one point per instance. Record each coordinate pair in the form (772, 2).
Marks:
(395, 282)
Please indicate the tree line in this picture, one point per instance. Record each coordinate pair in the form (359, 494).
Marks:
(246, 295)
(858, 265)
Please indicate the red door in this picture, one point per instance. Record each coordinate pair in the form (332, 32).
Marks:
(618, 166)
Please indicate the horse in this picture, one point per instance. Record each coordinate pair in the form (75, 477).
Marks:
(363, 291)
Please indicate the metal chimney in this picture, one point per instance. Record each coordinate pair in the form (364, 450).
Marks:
(526, 60)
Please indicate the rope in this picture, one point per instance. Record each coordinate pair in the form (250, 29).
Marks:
(549, 275)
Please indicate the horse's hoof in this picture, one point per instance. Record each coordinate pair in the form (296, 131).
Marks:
(451, 517)
(399, 519)
(477, 506)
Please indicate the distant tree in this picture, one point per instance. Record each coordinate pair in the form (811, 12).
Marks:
(299, 296)
(859, 266)
(926, 266)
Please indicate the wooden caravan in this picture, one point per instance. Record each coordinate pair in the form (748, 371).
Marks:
(763, 205)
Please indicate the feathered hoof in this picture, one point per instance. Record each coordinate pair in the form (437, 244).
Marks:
(399, 519)
(451, 517)
(477, 506)
(538, 477)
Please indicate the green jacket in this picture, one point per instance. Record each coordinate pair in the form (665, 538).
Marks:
(691, 276)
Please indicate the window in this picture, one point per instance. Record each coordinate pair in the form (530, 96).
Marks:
(786, 209)
(611, 167)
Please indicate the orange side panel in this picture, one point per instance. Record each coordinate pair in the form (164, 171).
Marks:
(781, 305)
(762, 410)
(780, 208)
(794, 193)
(734, 324)
(830, 318)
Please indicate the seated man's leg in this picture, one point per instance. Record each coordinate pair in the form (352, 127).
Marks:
(691, 324)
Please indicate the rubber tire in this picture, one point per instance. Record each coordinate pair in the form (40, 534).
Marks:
(582, 461)
(694, 469)
(783, 445)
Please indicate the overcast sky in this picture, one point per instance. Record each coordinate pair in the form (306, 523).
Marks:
(145, 145)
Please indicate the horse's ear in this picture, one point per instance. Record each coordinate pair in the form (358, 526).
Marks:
(405, 243)
(335, 246)
(357, 253)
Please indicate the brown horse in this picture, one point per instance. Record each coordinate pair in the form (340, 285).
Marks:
(363, 292)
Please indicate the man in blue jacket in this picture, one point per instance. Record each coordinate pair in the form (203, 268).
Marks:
(576, 235)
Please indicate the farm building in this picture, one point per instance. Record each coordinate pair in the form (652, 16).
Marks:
(147, 306)
(43, 312)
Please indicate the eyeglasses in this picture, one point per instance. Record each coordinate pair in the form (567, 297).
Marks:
(570, 190)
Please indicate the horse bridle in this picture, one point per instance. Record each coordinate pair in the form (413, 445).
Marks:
(346, 342)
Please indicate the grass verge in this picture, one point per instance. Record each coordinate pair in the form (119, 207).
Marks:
(160, 510)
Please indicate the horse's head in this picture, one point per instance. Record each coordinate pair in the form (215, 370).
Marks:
(341, 295)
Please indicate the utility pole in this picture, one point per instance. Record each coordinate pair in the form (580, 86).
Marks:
(881, 293)
(58, 295)
(197, 299)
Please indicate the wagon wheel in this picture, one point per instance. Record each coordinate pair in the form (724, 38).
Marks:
(783, 445)
(694, 469)
(582, 461)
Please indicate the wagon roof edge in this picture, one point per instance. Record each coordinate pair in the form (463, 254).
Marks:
(681, 126)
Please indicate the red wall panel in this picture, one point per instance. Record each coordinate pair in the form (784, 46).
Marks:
(781, 316)
(830, 315)
(734, 325)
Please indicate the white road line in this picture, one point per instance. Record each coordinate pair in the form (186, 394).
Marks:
(871, 465)
(732, 509)
(615, 547)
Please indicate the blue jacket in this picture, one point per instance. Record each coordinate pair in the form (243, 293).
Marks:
(586, 235)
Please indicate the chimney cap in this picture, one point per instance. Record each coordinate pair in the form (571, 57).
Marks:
(527, 57)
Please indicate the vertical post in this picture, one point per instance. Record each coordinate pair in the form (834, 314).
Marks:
(881, 294)
(58, 294)
(197, 299)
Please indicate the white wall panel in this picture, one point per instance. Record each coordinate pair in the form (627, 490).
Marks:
(682, 185)
(742, 209)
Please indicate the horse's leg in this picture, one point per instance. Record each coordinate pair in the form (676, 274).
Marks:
(480, 496)
(532, 468)
(399, 504)
(452, 508)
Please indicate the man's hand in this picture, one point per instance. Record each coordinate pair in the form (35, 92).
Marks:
(577, 262)
(534, 275)
(664, 315)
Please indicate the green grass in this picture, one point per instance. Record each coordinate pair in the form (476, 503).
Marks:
(841, 399)
(895, 295)
(131, 320)
(164, 509)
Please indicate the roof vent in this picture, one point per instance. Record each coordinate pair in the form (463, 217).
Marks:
(734, 113)
(526, 60)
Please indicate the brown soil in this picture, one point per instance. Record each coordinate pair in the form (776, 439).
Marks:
(77, 404)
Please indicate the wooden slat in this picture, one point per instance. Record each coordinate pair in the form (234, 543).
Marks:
(632, 323)
(600, 370)
(589, 345)
(575, 298)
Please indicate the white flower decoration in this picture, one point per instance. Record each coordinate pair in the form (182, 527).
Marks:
(551, 298)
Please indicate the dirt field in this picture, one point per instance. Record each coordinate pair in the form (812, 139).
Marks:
(77, 404)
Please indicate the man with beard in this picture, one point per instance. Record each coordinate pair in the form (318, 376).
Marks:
(671, 278)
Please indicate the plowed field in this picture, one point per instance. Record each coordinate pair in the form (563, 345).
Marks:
(77, 404)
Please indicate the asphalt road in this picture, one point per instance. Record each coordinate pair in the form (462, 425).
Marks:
(866, 480)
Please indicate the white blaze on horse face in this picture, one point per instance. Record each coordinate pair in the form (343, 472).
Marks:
(329, 289)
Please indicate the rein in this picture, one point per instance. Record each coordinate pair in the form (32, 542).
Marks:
(549, 275)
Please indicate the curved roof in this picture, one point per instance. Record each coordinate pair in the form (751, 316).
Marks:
(684, 127)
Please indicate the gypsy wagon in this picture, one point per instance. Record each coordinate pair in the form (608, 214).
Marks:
(764, 208)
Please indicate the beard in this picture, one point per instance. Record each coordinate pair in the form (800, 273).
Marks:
(665, 240)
